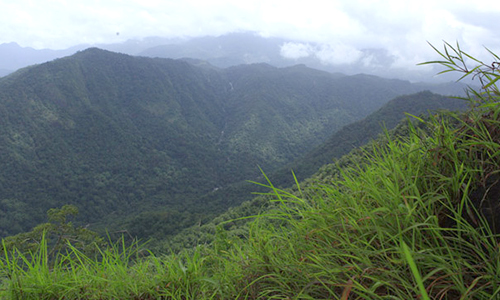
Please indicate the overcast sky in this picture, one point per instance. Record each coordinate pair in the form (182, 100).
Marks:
(344, 27)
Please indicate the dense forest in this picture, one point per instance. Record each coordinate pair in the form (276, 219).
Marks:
(337, 145)
(411, 214)
(135, 141)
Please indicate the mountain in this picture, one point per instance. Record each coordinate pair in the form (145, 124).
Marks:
(233, 49)
(338, 144)
(15, 57)
(118, 135)
(249, 47)
(4, 72)
(361, 132)
(224, 51)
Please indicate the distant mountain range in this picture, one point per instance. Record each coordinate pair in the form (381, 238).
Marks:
(14, 57)
(117, 135)
(229, 50)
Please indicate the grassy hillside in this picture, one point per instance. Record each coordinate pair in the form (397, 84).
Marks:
(413, 215)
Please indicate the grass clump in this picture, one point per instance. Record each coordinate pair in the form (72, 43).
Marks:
(371, 234)
(416, 218)
(118, 273)
(413, 217)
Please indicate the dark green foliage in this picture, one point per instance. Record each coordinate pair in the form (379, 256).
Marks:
(406, 217)
(359, 133)
(118, 136)
(348, 138)
(57, 233)
(370, 231)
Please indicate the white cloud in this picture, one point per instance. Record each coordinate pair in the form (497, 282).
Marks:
(340, 30)
(295, 50)
(338, 54)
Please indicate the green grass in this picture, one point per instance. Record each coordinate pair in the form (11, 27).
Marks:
(347, 239)
(397, 225)
(119, 273)
(400, 221)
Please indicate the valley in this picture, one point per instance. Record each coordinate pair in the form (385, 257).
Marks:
(247, 181)
(249, 150)
(120, 136)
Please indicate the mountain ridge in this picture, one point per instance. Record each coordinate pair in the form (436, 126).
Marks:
(117, 134)
(223, 51)
(337, 145)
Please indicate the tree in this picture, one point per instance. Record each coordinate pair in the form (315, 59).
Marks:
(58, 232)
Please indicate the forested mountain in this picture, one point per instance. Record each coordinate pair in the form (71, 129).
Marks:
(412, 214)
(117, 135)
(339, 144)
(226, 50)
(360, 132)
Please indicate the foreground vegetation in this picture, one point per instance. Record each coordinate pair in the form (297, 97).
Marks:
(411, 217)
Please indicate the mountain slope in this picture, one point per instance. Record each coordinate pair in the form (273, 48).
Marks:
(340, 143)
(359, 133)
(117, 135)
(105, 131)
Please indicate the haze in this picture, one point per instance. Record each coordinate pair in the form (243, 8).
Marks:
(336, 32)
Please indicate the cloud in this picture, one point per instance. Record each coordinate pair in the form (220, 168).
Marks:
(333, 31)
(332, 54)
(338, 54)
(293, 50)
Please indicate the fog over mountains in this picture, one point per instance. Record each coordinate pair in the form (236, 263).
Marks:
(235, 49)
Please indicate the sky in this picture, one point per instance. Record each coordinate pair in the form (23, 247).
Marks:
(341, 28)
